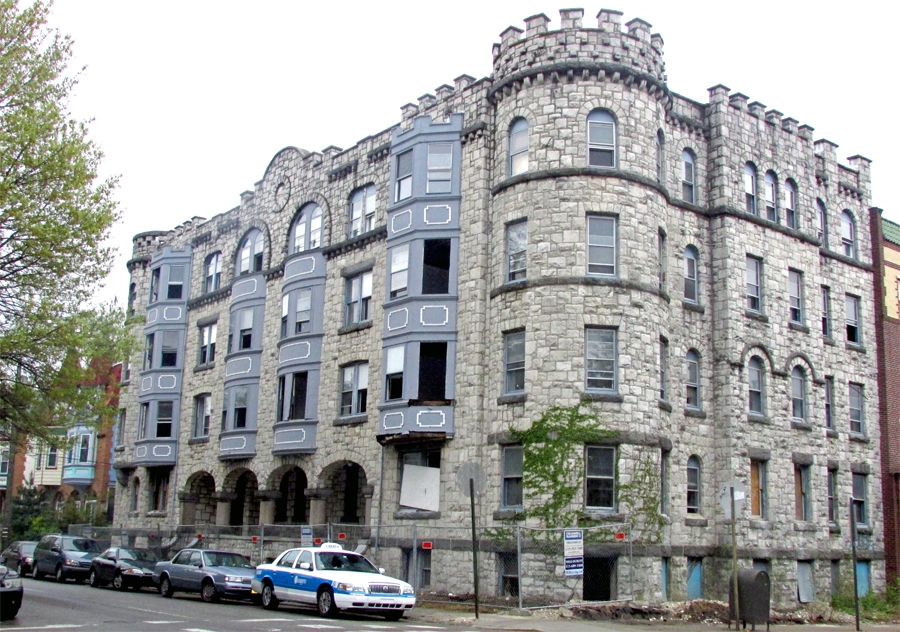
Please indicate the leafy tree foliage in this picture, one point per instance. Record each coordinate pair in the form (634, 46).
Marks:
(55, 214)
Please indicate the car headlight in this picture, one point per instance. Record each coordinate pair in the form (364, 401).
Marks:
(407, 590)
(357, 588)
(133, 571)
(234, 579)
(73, 563)
(11, 583)
(26, 560)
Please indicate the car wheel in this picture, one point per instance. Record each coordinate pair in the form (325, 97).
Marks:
(118, 581)
(268, 598)
(208, 592)
(35, 573)
(60, 575)
(325, 603)
(165, 587)
(10, 612)
(393, 615)
(93, 580)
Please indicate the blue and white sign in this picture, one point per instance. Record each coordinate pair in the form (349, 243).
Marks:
(306, 536)
(573, 552)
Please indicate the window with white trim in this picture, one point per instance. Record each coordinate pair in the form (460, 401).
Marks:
(754, 284)
(292, 396)
(791, 217)
(860, 499)
(854, 325)
(750, 189)
(251, 253)
(169, 353)
(758, 489)
(756, 386)
(795, 296)
(771, 190)
(154, 284)
(600, 478)
(692, 380)
(513, 463)
(120, 427)
(829, 402)
(362, 210)
(395, 360)
(802, 500)
(660, 157)
(687, 177)
(149, 343)
(399, 258)
(518, 147)
(602, 245)
(306, 233)
(798, 394)
(822, 223)
(601, 128)
(245, 329)
(826, 311)
(691, 275)
(354, 388)
(302, 318)
(403, 183)
(857, 409)
(213, 267)
(516, 245)
(848, 235)
(175, 286)
(663, 367)
(661, 258)
(202, 415)
(208, 344)
(358, 296)
(241, 401)
(833, 510)
(514, 362)
(694, 485)
(601, 359)
(143, 416)
(440, 168)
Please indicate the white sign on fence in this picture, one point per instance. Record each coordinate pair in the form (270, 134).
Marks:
(306, 536)
(573, 552)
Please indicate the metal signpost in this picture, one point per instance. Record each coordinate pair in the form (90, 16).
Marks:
(731, 500)
(470, 479)
(573, 552)
(855, 569)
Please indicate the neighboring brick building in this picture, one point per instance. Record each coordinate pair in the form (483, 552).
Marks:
(568, 229)
(886, 257)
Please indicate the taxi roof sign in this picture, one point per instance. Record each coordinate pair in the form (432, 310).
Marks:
(332, 546)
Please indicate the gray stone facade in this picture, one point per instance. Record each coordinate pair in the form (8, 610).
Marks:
(336, 277)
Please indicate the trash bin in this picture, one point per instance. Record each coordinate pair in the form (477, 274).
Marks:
(755, 594)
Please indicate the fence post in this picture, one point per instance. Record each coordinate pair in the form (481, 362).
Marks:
(631, 558)
(414, 559)
(330, 539)
(262, 540)
(519, 561)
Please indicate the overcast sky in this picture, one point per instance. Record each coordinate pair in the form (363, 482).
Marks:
(190, 100)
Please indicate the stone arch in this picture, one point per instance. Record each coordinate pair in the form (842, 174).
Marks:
(327, 219)
(262, 227)
(240, 491)
(198, 501)
(283, 156)
(345, 486)
(802, 359)
(760, 350)
(291, 500)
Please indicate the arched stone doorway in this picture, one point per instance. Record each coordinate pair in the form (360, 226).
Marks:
(198, 504)
(292, 507)
(244, 505)
(345, 492)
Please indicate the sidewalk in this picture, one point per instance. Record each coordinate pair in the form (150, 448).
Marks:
(556, 621)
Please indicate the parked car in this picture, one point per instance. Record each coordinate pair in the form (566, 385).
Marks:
(64, 556)
(11, 593)
(18, 556)
(123, 568)
(332, 579)
(213, 574)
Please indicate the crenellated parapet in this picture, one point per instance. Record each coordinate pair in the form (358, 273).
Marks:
(608, 52)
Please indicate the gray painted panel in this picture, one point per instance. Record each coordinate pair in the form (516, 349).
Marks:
(243, 366)
(435, 314)
(417, 419)
(307, 350)
(159, 384)
(151, 452)
(304, 266)
(433, 218)
(295, 436)
(237, 442)
(248, 287)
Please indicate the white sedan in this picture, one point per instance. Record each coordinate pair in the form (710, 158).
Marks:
(332, 579)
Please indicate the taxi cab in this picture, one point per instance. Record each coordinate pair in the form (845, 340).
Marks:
(332, 579)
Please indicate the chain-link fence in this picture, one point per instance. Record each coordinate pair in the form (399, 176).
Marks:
(517, 566)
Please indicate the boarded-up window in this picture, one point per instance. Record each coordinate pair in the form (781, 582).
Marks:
(805, 591)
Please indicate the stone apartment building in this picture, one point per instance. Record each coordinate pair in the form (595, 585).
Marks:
(886, 256)
(567, 230)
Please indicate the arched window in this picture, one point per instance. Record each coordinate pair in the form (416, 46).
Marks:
(362, 210)
(691, 275)
(213, 265)
(252, 249)
(694, 485)
(601, 139)
(756, 384)
(750, 188)
(306, 233)
(518, 147)
(798, 394)
(692, 379)
(135, 494)
(848, 235)
(791, 217)
(771, 196)
(822, 223)
(660, 157)
(687, 177)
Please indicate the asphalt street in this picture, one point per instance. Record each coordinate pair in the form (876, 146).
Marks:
(76, 606)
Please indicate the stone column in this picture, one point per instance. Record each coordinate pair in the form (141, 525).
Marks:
(267, 499)
(188, 507)
(368, 491)
(223, 507)
(317, 504)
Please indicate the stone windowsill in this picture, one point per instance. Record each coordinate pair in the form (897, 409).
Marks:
(664, 405)
(805, 526)
(852, 346)
(197, 440)
(157, 514)
(517, 398)
(834, 529)
(830, 341)
(758, 419)
(756, 316)
(831, 433)
(355, 420)
(798, 327)
(200, 368)
(695, 413)
(509, 514)
(693, 307)
(760, 523)
(598, 515)
(859, 437)
(592, 396)
(416, 514)
(801, 425)
(864, 529)
(347, 329)
(696, 522)
(120, 448)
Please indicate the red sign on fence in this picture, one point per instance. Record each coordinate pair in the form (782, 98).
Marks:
(427, 545)
(621, 535)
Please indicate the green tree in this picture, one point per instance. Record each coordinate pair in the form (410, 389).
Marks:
(55, 215)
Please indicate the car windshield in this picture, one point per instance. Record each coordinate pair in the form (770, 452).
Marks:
(227, 559)
(85, 545)
(28, 548)
(344, 562)
(140, 555)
